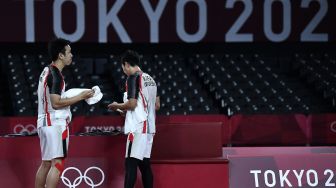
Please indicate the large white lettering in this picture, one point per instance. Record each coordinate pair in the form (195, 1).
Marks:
(80, 17)
(299, 177)
(154, 18)
(255, 173)
(202, 21)
(266, 177)
(307, 34)
(270, 177)
(277, 37)
(30, 21)
(312, 182)
(232, 35)
(283, 178)
(105, 19)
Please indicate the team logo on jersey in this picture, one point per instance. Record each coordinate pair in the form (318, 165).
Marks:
(89, 179)
(19, 129)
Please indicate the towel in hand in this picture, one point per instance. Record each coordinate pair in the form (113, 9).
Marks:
(97, 96)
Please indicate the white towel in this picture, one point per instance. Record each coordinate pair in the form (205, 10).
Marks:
(97, 96)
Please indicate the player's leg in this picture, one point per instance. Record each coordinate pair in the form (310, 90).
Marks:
(41, 175)
(42, 172)
(146, 173)
(131, 165)
(145, 164)
(57, 167)
(59, 139)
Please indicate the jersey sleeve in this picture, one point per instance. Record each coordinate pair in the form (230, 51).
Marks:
(133, 86)
(54, 82)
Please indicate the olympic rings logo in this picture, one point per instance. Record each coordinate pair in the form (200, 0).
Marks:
(30, 128)
(333, 126)
(88, 180)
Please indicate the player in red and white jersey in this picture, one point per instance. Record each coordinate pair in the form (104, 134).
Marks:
(140, 103)
(54, 114)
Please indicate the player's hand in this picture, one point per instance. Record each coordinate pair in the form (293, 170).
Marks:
(121, 112)
(113, 106)
(87, 94)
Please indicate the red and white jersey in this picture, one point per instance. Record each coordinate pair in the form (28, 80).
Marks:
(142, 87)
(51, 82)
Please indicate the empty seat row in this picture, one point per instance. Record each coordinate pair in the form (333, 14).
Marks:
(188, 83)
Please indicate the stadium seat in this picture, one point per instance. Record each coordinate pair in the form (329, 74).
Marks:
(190, 83)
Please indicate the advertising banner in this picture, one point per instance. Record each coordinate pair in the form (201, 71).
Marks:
(17, 125)
(310, 170)
(323, 129)
(182, 21)
(291, 129)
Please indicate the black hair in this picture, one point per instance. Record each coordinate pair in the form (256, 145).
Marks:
(131, 57)
(57, 46)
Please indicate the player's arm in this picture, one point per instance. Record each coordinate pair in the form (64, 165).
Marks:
(132, 95)
(54, 82)
(129, 105)
(157, 103)
(57, 102)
